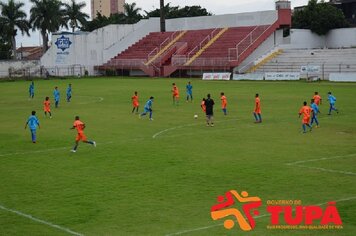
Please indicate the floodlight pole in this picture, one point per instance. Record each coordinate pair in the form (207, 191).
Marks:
(162, 20)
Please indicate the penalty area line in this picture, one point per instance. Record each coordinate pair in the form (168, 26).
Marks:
(69, 231)
(261, 216)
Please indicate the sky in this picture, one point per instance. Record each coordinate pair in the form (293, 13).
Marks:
(217, 7)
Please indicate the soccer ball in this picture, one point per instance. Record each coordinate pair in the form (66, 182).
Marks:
(195, 116)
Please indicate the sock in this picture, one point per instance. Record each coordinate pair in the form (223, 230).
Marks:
(90, 142)
(254, 114)
(260, 117)
(150, 114)
(309, 126)
(304, 128)
(50, 114)
(75, 146)
(33, 135)
(133, 110)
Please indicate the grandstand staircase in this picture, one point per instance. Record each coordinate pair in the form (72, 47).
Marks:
(165, 48)
(264, 61)
(250, 43)
(206, 46)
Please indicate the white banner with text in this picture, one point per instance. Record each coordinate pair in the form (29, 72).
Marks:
(216, 76)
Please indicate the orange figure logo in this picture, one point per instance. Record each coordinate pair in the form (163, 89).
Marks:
(223, 209)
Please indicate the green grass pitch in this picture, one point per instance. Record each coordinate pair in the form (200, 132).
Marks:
(134, 184)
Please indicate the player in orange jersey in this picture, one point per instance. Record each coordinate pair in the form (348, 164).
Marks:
(223, 103)
(317, 99)
(175, 94)
(135, 102)
(80, 126)
(202, 105)
(47, 107)
(257, 110)
(306, 112)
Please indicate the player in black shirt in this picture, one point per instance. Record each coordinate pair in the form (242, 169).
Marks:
(209, 104)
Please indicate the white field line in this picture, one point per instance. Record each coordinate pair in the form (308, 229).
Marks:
(40, 221)
(45, 150)
(321, 159)
(327, 170)
(299, 164)
(183, 126)
(32, 152)
(208, 130)
(261, 216)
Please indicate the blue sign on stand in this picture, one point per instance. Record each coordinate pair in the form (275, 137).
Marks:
(63, 43)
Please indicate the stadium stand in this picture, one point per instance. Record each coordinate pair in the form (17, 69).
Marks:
(157, 54)
(329, 61)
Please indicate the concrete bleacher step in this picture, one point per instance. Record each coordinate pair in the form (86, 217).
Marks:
(166, 47)
(212, 40)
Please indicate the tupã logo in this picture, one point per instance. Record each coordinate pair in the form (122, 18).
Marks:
(224, 209)
(63, 43)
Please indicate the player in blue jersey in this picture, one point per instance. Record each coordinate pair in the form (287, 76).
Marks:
(189, 89)
(69, 92)
(315, 110)
(147, 108)
(31, 89)
(332, 101)
(33, 123)
(56, 95)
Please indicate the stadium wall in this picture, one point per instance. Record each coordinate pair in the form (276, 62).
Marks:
(222, 21)
(337, 38)
(19, 67)
(95, 48)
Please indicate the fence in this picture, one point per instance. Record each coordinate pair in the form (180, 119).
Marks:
(40, 71)
(320, 70)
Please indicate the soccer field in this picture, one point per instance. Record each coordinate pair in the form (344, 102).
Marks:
(161, 177)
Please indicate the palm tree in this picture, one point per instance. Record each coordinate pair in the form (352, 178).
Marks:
(74, 14)
(14, 18)
(162, 18)
(132, 13)
(47, 16)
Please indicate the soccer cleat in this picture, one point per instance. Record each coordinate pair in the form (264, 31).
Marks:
(151, 119)
(212, 125)
(94, 143)
(73, 150)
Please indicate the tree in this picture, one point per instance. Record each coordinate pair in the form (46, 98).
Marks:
(5, 41)
(14, 18)
(74, 15)
(171, 12)
(47, 16)
(318, 17)
(132, 13)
